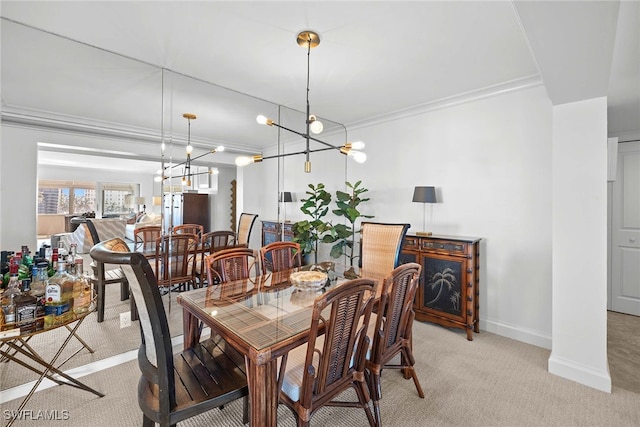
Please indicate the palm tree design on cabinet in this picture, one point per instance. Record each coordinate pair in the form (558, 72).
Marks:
(444, 281)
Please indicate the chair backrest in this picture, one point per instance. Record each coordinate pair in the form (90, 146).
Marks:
(155, 356)
(232, 264)
(196, 229)
(380, 246)
(245, 225)
(218, 240)
(92, 231)
(331, 362)
(278, 256)
(395, 312)
(146, 236)
(175, 259)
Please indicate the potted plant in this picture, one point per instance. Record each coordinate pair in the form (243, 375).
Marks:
(308, 233)
(342, 234)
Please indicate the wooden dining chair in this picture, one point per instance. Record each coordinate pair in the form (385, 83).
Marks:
(172, 387)
(211, 242)
(175, 261)
(232, 264)
(245, 225)
(196, 229)
(380, 246)
(391, 331)
(313, 376)
(278, 256)
(145, 237)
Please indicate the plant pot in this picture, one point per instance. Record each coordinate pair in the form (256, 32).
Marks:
(350, 273)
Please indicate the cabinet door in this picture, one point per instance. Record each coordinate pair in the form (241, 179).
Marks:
(270, 232)
(443, 289)
(288, 232)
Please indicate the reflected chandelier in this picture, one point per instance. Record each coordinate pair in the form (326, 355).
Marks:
(308, 39)
(186, 172)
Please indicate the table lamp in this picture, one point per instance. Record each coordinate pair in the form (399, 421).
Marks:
(285, 197)
(425, 195)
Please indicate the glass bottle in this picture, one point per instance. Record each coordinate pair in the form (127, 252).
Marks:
(7, 303)
(59, 292)
(71, 259)
(38, 286)
(82, 294)
(54, 259)
(25, 308)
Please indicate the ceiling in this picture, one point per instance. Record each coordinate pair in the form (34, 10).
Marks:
(376, 60)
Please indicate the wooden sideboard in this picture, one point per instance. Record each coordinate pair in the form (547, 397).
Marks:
(450, 284)
(272, 231)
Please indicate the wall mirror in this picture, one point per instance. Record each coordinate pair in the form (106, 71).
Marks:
(86, 105)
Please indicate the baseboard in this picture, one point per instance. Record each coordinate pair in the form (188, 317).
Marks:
(516, 333)
(586, 375)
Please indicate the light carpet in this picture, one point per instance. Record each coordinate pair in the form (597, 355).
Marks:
(491, 381)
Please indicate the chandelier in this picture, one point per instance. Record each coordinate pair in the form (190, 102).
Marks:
(186, 171)
(308, 39)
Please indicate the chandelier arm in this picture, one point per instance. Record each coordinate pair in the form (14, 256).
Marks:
(306, 136)
(193, 158)
(184, 176)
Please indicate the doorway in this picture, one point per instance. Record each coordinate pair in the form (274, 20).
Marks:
(624, 292)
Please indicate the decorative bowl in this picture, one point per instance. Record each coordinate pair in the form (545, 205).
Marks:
(308, 279)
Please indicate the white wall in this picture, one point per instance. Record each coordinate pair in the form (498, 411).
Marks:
(491, 161)
(580, 243)
(18, 199)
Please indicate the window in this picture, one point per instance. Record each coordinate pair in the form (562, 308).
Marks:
(114, 198)
(75, 198)
(65, 197)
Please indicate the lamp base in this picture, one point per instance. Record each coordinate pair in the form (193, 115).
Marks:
(424, 233)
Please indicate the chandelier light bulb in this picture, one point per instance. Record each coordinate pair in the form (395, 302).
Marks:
(357, 145)
(357, 156)
(316, 125)
(261, 119)
(157, 178)
(189, 148)
(243, 161)
(219, 148)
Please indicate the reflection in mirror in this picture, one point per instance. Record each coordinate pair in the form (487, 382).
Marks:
(105, 106)
(224, 118)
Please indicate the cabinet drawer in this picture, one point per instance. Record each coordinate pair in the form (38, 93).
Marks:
(270, 226)
(411, 243)
(444, 246)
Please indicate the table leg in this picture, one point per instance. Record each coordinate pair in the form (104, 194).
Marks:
(191, 330)
(50, 367)
(263, 392)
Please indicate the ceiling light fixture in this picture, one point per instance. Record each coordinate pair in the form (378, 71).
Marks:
(308, 39)
(186, 173)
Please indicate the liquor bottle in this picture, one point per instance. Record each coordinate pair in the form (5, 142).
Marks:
(38, 285)
(62, 251)
(82, 294)
(71, 260)
(39, 278)
(59, 292)
(25, 308)
(7, 303)
(54, 259)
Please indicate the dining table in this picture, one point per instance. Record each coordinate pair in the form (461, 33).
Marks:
(263, 318)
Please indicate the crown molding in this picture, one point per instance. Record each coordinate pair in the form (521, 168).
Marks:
(515, 85)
